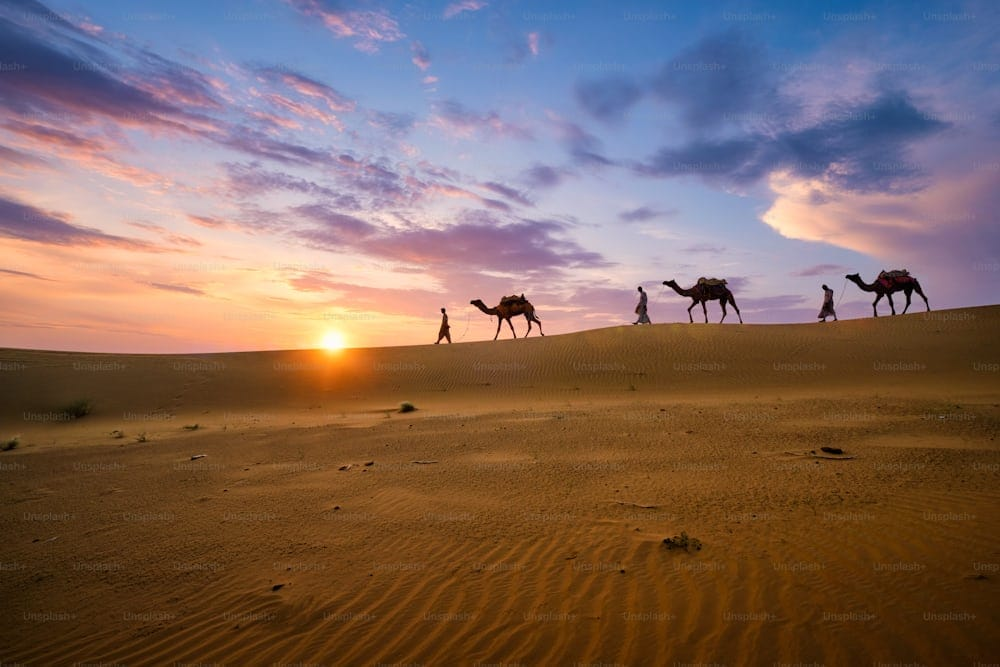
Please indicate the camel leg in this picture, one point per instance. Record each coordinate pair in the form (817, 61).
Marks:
(511, 327)
(539, 323)
(529, 325)
(918, 290)
(722, 302)
(499, 324)
(892, 306)
(875, 304)
(909, 297)
(732, 302)
(704, 309)
(693, 304)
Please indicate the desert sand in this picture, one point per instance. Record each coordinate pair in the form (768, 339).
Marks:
(275, 507)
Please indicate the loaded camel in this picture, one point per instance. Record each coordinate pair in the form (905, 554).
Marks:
(510, 306)
(707, 289)
(888, 282)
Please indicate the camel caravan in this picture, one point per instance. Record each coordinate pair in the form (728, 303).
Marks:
(715, 289)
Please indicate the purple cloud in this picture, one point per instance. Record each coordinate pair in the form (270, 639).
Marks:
(541, 176)
(24, 274)
(508, 192)
(607, 99)
(252, 179)
(482, 242)
(849, 148)
(183, 289)
(336, 230)
(721, 78)
(644, 213)
(28, 223)
(819, 270)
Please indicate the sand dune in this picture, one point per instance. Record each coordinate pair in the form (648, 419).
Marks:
(518, 515)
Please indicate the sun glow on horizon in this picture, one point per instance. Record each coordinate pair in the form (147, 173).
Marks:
(333, 341)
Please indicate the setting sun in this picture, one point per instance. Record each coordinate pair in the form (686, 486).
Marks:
(333, 341)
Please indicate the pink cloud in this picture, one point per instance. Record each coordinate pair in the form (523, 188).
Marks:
(421, 57)
(369, 28)
(533, 39)
(456, 8)
(455, 119)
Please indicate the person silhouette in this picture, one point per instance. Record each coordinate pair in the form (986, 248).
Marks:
(445, 330)
(827, 309)
(640, 309)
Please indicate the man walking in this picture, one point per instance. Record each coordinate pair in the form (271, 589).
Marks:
(827, 309)
(445, 330)
(640, 309)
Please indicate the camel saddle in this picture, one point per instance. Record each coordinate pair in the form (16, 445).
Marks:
(513, 298)
(894, 276)
(711, 282)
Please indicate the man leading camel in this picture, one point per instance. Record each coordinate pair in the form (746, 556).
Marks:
(827, 309)
(640, 309)
(445, 330)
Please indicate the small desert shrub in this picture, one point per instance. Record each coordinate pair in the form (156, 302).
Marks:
(141, 437)
(77, 409)
(8, 445)
(406, 406)
(191, 427)
(682, 541)
(116, 434)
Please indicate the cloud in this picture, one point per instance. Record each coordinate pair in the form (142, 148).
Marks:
(183, 289)
(62, 76)
(533, 43)
(644, 214)
(720, 78)
(541, 176)
(166, 234)
(393, 123)
(705, 247)
(20, 159)
(28, 223)
(484, 243)
(24, 274)
(585, 149)
(819, 270)
(607, 99)
(306, 86)
(210, 222)
(421, 57)
(368, 27)
(508, 192)
(863, 149)
(251, 179)
(336, 230)
(456, 8)
(455, 119)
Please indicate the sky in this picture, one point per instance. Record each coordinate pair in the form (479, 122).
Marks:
(180, 177)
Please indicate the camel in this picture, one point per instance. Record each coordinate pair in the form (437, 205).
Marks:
(887, 283)
(707, 290)
(511, 306)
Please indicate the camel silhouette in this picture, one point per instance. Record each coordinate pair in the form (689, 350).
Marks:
(510, 306)
(888, 282)
(706, 289)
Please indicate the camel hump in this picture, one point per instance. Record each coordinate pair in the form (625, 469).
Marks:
(513, 298)
(711, 281)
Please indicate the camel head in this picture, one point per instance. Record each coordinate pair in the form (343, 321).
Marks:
(477, 302)
(853, 276)
(670, 283)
